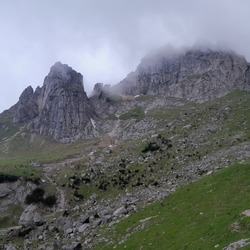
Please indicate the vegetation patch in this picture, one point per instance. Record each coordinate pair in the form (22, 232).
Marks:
(12, 217)
(8, 178)
(12, 173)
(37, 196)
(151, 147)
(198, 216)
(136, 113)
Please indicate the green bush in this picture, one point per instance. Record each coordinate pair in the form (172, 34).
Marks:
(35, 197)
(8, 178)
(150, 147)
(136, 113)
(50, 201)
(79, 196)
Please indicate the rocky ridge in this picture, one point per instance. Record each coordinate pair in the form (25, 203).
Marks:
(61, 108)
(145, 145)
(198, 74)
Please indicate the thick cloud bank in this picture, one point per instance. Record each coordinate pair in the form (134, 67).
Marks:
(105, 39)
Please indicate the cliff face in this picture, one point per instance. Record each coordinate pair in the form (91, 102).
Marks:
(60, 108)
(27, 107)
(197, 75)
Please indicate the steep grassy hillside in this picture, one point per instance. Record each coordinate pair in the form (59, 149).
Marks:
(134, 173)
(202, 215)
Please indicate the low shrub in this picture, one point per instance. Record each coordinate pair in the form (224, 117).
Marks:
(150, 147)
(49, 201)
(8, 178)
(37, 195)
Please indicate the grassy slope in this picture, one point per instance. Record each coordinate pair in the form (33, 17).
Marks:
(198, 216)
(180, 218)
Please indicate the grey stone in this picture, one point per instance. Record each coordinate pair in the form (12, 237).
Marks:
(73, 246)
(82, 228)
(10, 247)
(69, 231)
(63, 223)
(238, 244)
(97, 222)
(84, 219)
(4, 190)
(119, 211)
(30, 216)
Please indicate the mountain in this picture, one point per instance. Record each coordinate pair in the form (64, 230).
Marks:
(198, 74)
(60, 108)
(160, 160)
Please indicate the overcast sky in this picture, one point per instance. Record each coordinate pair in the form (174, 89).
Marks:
(105, 39)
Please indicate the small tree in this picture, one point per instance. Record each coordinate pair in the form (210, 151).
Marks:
(50, 201)
(36, 196)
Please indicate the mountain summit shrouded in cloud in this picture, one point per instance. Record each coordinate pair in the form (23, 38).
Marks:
(105, 40)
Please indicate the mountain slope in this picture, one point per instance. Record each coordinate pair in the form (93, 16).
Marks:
(197, 74)
(207, 214)
(60, 108)
(108, 179)
(129, 151)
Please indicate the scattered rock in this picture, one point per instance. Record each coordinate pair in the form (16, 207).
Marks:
(119, 211)
(4, 190)
(10, 247)
(238, 244)
(69, 231)
(82, 228)
(246, 212)
(30, 217)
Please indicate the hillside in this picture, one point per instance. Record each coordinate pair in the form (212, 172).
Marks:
(116, 169)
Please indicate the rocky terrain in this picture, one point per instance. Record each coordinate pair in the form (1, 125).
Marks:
(59, 108)
(198, 75)
(73, 167)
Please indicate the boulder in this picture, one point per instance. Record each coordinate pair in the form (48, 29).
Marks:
(82, 228)
(73, 246)
(119, 211)
(30, 217)
(4, 190)
(10, 247)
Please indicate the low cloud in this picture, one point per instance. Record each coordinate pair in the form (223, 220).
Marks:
(106, 39)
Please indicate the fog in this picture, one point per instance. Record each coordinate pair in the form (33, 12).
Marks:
(106, 39)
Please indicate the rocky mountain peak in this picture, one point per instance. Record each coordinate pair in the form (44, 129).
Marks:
(197, 74)
(27, 107)
(63, 74)
(26, 94)
(59, 108)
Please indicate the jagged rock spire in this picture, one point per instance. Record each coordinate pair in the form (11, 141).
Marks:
(60, 108)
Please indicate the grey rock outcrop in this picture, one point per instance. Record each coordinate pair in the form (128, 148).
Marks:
(198, 74)
(10, 247)
(27, 107)
(64, 109)
(14, 193)
(59, 108)
(30, 216)
(238, 244)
